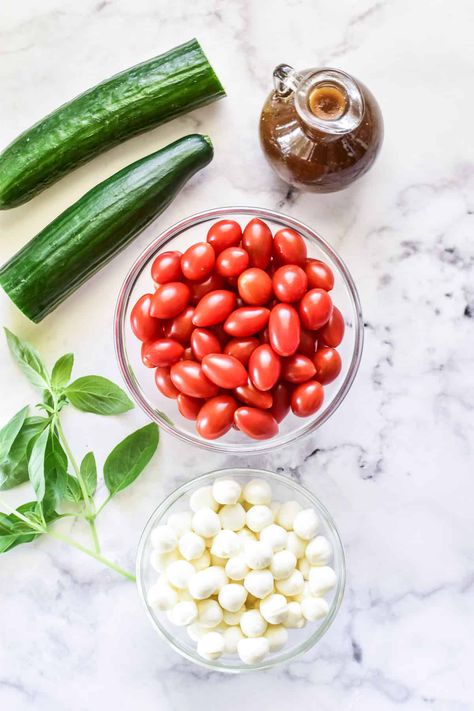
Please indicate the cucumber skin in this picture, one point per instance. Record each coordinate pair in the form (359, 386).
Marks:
(123, 106)
(94, 229)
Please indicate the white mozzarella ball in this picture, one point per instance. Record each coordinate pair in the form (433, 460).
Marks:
(277, 637)
(321, 579)
(318, 551)
(195, 631)
(296, 545)
(293, 585)
(204, 561)
(252, 624)
(257, 491)
(232, 517)
(314, 608)
(220, 575)
(226, 491)
(258, 517)
(202, 498)
(294, 618)
(183, 613)
(226, 545)
(236, 568)
(232, 637)
(304, 567)
(259, 583)
(282, 564)
(211, 645)
(233, 618)
(274, 608)
(287, 513)
(163, 539)
(179, 573)
(275, 536)
(232, 596)
(191, 546)
(258, 555)
(206, 523)
(180, 522)
(209, 613)
(204, 583)
(162, 596)
(253, 650)
(160, 561)
(306, 524)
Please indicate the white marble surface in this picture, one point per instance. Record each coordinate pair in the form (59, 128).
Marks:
(395, 463)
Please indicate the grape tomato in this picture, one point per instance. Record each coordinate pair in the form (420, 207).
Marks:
(333, 332)
(170, 299)
(188, 377)
(290, 283)
(198, 261)
(258, 241)
(315, 309)
(224, 370)
(165, 384)
(216, 417)
(144, 326)
(250, 395)
(264, 367)
(188, 406)
(256, 423)
(297, 368)
(255, 287)
(328, 365)
(246, 321)
(204, 342)
(181, 327)
(162, 352)
(289, 247)
(307, 398)
(166, 267)
(214, 308)
(224, 234)
(284, 329)
(231, 262)
(319, 275)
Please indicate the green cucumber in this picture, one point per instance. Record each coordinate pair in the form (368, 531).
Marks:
(93, 230)
(129, 103)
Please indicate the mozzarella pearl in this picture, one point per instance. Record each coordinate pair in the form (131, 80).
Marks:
(282, 565)
(274, 608)
(253, 650)
(318, 551)
(232, 637)
(293, 585)
(296, 545)
(209, 613)
(191, 546)
(226, 491)
(314, 608)
(183, 613)
(232, 517)
(257, 555)
(162, 596)
(306, 524)
(163, 539)
(160, 561)
(287, 513)
(321, 580)
(202, 498)
(236, 568)
(294, 617)
(211, 645)
(206, 523)
(257, 491)
(275, 536)
(233, 618)
(258, 517)
(204, 561)
(232, 596)
(195, 631)
(304, 567)
(277, 637)
(259, 583)
(179, 573)
(226, 545)
(205, 583)
(180, 522)
(252, 624)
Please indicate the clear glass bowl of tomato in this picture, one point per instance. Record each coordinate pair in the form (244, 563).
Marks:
(140, 380)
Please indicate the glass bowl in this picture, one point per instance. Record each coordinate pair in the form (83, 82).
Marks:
(299, 640)
(140, 380)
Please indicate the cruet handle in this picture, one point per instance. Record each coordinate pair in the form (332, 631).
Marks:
(285, 79)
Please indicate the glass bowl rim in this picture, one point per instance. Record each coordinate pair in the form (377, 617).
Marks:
(254, 446)
(200, 480)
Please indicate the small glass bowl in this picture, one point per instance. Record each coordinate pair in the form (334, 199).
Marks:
(140, 380)
(299, 640)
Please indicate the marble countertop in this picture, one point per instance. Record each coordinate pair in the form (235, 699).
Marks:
(394, 465)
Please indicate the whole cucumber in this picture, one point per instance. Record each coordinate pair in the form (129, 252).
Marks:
(101, 223)
(125, 105)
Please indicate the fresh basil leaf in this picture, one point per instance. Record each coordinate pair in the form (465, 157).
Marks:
(14, 466)
(9, 432)
(14, 531)
(129, 458)
(62, 371)
(72, 490)
(55, 473)
(89, 473)
(29, 360)
(93, 393)
(36, 464)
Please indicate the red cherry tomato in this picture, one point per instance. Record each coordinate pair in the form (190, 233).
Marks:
(333, 332)
(249, 395)
(289, 247)
(315, 309)
(290, 283)
(319, 275)
(281, 394)
(144, 326)
(223, 234)
(198, 261)
(201, 288)
(255, 287)
(170, 299)
(165, 384)
(231, 262)
(328, 365)
(164, 351)
(224, 370)
(307, 398)
(188, 377)
(297, 368)
(246, 321)
(188, 406)
(214, 308)
(258, 241)
(216, 417)
(264, 367)
(308, 343)
(181, 327)
(204, 342)
(166, 268)
(255, 423)
(284, 329)
(241, 348)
